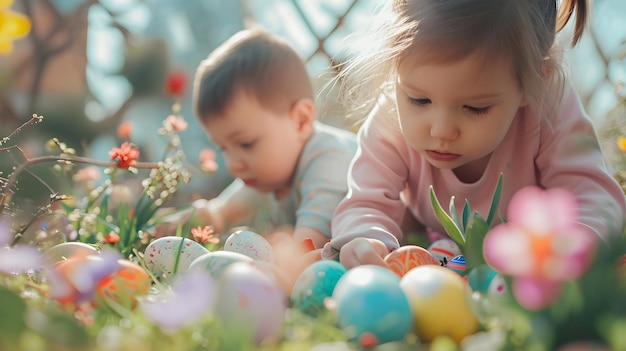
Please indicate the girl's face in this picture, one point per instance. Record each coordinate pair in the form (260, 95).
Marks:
(261, 147)
(456, 114)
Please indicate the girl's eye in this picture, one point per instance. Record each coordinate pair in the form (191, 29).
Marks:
(478, 110)
(419, 102)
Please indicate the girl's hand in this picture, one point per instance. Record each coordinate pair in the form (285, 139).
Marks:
(361, 251)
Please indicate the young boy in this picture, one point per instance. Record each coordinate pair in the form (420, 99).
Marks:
(253, 97)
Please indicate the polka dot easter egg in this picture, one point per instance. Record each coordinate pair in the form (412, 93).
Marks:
(250, 244)
(485, 279)
(315, 284)
(407, 257)
(161, 256)
(371, 307)
(439, 304)
(444, 249)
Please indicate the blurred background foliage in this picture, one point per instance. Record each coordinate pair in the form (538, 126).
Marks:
(89, 65)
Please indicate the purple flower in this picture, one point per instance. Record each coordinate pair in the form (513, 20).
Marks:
(541, 246)
(19, 259)
(190, 299)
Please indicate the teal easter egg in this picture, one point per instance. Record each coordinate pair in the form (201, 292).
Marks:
(444, 249)
(485, 279)
(315, 284)
(217, 261)
(457, 264)
(370, 305)
(171, 255)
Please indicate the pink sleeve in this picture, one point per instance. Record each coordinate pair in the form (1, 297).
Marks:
(570, 157)
(378, 174)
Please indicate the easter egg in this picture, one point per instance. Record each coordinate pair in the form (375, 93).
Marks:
(438, 302)
(457, 264)
(315, 284)
(124, 285)
(250, 244)
(249, 305)
(407, 257)
(276, 273)
(486, 280)
(444, 249)
(66, 250)
(215, 262)
(370, 305)
(162, 254)
(74, 281)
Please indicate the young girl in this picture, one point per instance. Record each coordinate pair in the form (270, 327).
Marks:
(457, 93)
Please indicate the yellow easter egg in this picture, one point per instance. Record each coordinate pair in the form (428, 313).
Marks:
(438, 299)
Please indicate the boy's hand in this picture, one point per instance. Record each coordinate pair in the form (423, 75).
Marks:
(361, 251)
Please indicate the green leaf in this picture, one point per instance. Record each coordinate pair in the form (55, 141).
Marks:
(467, 212)
(448, 224)
(12, 310)
(474, 239)
(495, 201)
(455, 217)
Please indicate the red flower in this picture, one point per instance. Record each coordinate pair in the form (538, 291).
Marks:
(175, 83)
(125, 155)
(112, 238)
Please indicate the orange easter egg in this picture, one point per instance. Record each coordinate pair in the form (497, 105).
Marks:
(123, 286)
(408, 257)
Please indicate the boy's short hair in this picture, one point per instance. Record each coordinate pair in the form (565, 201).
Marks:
(257, 62)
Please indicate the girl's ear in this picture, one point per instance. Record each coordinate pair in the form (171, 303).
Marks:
(303, 115)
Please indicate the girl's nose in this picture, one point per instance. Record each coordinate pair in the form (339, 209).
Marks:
(444, 128)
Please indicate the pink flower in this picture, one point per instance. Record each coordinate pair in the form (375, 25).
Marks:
(87, 174)
(204, 235)
(541, 246)
(177, 123)
(207, 160)
(124, 130)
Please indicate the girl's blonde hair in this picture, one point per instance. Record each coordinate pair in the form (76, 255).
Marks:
(522, 31)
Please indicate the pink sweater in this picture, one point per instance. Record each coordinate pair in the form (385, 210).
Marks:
(386, 175)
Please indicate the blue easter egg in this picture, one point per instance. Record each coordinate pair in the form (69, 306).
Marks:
(457, 264)
(316, 283)
(370, 305)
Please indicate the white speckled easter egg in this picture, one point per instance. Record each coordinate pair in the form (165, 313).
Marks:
(66, 250)
(215, 262)
(250, 244)
(250, 306)
(160, 256)
(444, 248)
(315, 284)
(438, 298)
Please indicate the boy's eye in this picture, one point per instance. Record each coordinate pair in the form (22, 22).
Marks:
(247, 145)
(419, 102)
(477, 110)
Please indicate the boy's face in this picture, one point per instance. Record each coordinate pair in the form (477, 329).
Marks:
(260, 146)
(456, 114)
